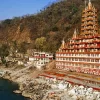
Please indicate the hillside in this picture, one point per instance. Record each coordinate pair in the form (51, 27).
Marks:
(55, 22)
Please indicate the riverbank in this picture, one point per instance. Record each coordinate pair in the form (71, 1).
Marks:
(20, 76)
(37, 86)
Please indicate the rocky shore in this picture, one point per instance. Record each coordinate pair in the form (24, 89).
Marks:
(24, 78)
(37, 87)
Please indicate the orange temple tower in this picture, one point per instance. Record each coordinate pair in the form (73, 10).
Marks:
(82, 52)
(89, 21)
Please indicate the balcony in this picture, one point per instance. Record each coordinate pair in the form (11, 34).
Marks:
(83, 24)
(85, 46)
(80, 62)
(90, 18)
(83, 20)
(83, 56)
(89, 28)
(89, 10)
(84, 42)
(90, 23)
(96, 28)
(91, 14)
(82, 29)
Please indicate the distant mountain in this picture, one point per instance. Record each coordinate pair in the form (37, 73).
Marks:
(54, 22)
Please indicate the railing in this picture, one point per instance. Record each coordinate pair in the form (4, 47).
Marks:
(79, 57)
(90, 23)
(87, 42)
(81, 62)
(87, 37)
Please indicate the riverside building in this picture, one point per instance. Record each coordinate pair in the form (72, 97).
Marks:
(40, 59)
(82, 52)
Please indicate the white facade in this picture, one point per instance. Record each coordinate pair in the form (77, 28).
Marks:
(40, 59)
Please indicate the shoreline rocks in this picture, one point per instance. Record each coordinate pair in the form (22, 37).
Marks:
(17, 91)
(12, 79)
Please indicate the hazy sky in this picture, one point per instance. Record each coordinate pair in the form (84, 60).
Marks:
(14, 8)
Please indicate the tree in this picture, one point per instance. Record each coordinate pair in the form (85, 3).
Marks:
(7, 21)
(13, 48)
(51, 47)
(22, 48)
(55, 28)
(4, 52)
(40, 43)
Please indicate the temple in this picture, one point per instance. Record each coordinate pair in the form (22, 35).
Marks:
(82, 52)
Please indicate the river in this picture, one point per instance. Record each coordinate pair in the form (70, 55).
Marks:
(6, 90)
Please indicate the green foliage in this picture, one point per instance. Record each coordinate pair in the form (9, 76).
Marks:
(6, 22)
(4, 52)
(67, 28)
(51, 47)
(73, 8)
(40, 43)
(21, 27)
(55, 28)
(22, 47)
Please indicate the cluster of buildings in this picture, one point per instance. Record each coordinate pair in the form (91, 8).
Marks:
(33, 58)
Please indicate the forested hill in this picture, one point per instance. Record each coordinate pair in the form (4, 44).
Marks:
(55, 22)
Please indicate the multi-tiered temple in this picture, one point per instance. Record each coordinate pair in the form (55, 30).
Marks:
(82, 52)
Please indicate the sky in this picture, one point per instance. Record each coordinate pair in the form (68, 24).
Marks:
(16, 8)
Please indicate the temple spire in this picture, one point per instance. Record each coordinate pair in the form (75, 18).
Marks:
(75, 33)
(89, 20)
(85, 3)
(63, 45)
(89, 1)
(90, 4)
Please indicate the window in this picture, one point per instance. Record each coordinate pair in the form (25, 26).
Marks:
(97, 66)
(76, 59)
(41, 58)
(96, 60)
(64, 58)
(88, 60)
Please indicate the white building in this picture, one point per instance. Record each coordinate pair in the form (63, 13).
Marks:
(40, 59)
